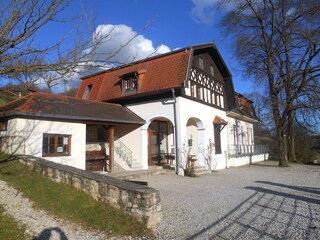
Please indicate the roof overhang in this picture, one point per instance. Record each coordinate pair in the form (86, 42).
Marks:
(242, 117)
(219, 121)
(63, 118)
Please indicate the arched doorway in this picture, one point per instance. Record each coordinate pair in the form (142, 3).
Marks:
(196, 140)
(160, 142)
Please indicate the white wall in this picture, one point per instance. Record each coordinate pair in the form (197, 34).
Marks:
(248, 138)
(187, 109)
(149, 111)
(25, 137)
(243, 160)
(204, 115)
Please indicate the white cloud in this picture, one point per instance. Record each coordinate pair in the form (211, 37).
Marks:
(123, 45)
(118, 44)
(204, 11)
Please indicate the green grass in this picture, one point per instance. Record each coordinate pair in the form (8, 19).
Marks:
(66, 202)
(2, 102)
(11, 230)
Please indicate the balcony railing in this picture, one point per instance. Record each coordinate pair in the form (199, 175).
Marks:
(245, 150)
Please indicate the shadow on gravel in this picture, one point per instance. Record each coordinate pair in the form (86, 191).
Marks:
(285, 195)
(266, 164)
(268, 213)
(55, 233)
(298, 188)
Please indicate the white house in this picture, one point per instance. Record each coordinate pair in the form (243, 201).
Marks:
(189, 104)
(54, 127)
(156, 111)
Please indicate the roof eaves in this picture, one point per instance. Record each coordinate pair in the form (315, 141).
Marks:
(237, 114)
(63, 117)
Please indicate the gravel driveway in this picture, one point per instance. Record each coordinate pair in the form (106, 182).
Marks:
(252, 202)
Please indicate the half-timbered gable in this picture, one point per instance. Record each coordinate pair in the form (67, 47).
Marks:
(206, 83)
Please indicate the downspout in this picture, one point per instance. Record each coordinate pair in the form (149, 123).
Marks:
(227, 155)
(176, 149)
(237, 134)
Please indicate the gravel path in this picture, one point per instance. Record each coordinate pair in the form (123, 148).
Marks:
(39, 223)
(251, 202)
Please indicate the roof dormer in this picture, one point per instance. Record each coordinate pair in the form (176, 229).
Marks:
(129, 82)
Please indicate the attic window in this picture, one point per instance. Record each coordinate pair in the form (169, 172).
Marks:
(201, 63)
(211, 70)
(87, 92)
(129, 82)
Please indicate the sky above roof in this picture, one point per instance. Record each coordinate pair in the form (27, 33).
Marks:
(162, 26)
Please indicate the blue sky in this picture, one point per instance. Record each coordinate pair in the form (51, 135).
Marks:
(175, 24)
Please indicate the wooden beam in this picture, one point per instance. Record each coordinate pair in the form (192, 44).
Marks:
(111, 146)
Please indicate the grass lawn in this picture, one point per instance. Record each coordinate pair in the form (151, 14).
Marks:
(66, 202)
(2, 102)
(11, 230)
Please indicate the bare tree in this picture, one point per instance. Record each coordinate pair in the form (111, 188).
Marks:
(277, 41)
(21, 55)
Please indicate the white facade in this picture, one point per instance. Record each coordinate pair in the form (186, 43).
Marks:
(25, 136)
(194, 124)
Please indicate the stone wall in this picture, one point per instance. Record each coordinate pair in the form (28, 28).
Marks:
(140, 201)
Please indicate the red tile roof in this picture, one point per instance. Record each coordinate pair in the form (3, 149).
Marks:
(155, 74)
(219, 121)
(51, 106)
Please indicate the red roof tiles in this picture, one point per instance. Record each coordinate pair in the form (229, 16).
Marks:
(155, 74)
(51, 106)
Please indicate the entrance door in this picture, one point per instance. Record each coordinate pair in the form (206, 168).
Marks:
(158, 142)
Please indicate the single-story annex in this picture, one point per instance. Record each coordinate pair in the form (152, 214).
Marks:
(155, 111)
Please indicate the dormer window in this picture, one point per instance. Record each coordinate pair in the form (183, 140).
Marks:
(129, 82)
(87, 92)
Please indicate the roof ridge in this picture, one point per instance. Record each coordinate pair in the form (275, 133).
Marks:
(145, 60)
(16, 100)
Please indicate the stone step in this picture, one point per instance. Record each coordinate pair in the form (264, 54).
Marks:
(202, 170)
(127, 175)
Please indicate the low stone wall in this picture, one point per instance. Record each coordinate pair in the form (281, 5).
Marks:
(140, 201)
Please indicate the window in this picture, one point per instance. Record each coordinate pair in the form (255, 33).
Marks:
(211, 70)
(213, 98)
(221, 102)
(96, 134)
(56, 145)
(199, 92)
(126, 84)
(3, 125)
(217, 138)
(201, 63)
(192, 88)
(130, 82)
(235, 134)
(87, 92)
